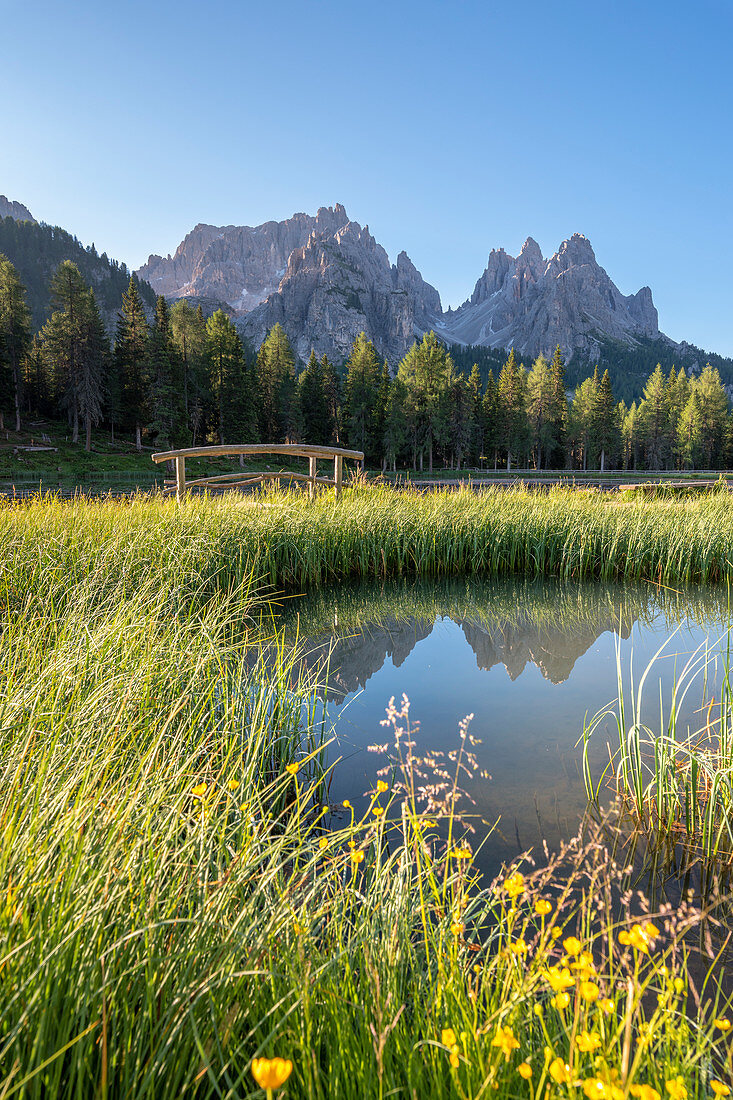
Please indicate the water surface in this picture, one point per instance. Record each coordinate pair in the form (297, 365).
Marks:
(529, 659)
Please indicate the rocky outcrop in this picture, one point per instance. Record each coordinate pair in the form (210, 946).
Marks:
(237, 264)
(326, 279)
(534, 304)
(340, 284)
(10, 209)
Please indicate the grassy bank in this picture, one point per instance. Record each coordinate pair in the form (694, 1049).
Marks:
(178, 897)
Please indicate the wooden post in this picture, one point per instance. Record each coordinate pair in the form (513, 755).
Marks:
(180, 477)
(312, 464)
(338, 463)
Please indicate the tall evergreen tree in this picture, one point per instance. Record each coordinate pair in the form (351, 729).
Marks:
(233, 382)
(559, 415)
(511, 413)
(361, 397)
(131, 363)
(541, 413)
(476, 447)
(276, 381)
(332, 394)
(314, 410)
(74, 343)
(654, 421)
(166, 397)
(713, 415)
(395, 424)
(188, 333)
(427, 374)
(15, 339)
(689, 433)
(605, 426)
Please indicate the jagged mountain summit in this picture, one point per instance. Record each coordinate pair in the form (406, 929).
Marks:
(237, 265)
(15, 210)
(325, 279)
(534, 304)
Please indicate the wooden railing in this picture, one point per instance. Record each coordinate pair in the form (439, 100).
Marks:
(237, 479)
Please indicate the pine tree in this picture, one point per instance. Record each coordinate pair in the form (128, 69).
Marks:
(541, 413)
(427, 374)
(559, 415)
(94, 363)
(713, 415)
(131, 363)
(36, 383)
(689, 433)
(233, 384)
(380, 413)
(276, 383)
(459, 416)
(14, 339)
(73, 343)
(605, 426)
(188, 333)
(580, 421)
(166, 399)
(476, 448)
(490, 419)
(332, 394)
(361, 397)
(314, 410)
(395, 424)
(654, 421)
(511, 413)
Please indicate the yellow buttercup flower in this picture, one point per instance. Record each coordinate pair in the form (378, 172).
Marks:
(514, 884)
(378, 811)
(518, 947)
(381, 786)
(292, 769)
(572, 945)
(271, 1073)
(556, 933)
(233, 784)
(606, 1005)
(589, 991)
(456, 928)
(679, 985)
(199, 790)
(588, 1041)
(346, 804)
(640, 936)
(676, 1088)
(723, 1023)
(542, 907)
(560, 1072)
(561, 1000)
(357, 857)
(559, 979)
(719, 1088)
(594, 1087)
(524, 1070)
(506, 1041)
(462, 853)
(455, 1061)
(448, 1037)
(323, 842)
(645, 1092)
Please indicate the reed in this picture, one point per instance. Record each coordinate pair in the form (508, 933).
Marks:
(673, 764)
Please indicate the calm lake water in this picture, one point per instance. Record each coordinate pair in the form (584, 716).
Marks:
(529, 659)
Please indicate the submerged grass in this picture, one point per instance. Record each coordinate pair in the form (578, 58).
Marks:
(176, 898)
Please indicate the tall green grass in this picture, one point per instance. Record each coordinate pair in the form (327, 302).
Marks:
(177, 896)
(210, 543)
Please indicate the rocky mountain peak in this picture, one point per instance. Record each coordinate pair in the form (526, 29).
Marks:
(16, 210)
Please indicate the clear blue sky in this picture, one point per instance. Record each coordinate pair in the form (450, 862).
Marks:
(449, 128)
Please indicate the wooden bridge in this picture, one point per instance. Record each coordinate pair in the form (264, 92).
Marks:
(238, 479)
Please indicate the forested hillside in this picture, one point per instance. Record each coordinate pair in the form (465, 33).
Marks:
(183, 379)
(36, 250)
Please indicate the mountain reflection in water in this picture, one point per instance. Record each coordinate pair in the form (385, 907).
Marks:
(530, 659)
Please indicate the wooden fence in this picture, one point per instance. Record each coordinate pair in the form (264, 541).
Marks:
(239, 479)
